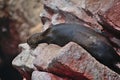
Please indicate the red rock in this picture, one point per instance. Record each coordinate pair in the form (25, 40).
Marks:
(113, 15)
(74, 62)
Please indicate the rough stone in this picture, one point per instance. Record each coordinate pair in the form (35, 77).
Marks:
(70, 61)
(46, 55)
(74, 62)
(54, 15)
(113, 15)
(24, 60)
(37, 75)
(70, 12)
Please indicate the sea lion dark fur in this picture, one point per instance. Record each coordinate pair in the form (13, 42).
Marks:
(95, 43)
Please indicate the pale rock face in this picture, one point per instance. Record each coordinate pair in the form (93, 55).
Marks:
(24, 60)
(38, 50)
(46, 56)
(74, 7)
(70, 61)
(37, 75)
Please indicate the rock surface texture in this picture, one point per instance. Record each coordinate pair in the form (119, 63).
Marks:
(37, 75)
(71, 62)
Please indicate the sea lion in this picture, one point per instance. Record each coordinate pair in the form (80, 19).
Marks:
(95, 43)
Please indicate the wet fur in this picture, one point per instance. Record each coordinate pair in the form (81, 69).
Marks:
(95, 43)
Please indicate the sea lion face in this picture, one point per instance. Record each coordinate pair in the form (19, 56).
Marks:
(43, 37)
(34, 40)
(53, 35)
